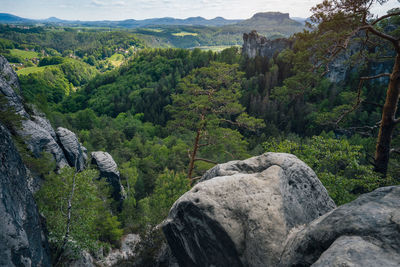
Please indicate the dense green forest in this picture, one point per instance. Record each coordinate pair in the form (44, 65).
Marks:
(168, 114)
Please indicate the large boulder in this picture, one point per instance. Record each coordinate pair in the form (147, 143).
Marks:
(22, 239)
(109, 170)
(73, 150)
(241, 212)
(365, 232)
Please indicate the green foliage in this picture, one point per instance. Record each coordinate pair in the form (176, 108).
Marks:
(169, 187)
(90, 218)
(51, 61)
(206, 106)
(8, 117)
(129, 176)
(337, 163)
(100, 44)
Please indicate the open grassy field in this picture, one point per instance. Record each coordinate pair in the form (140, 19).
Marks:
(116, 60)
(215, 48)
(26, 71)
(152, 30)
(23, 54)
(181, 34)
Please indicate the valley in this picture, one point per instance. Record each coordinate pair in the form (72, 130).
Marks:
(200, 142)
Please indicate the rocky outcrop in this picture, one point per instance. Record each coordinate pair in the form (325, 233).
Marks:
(39, 140)
(9, 87)
(272, 210)
(241, 212)
(22, 240)
(73, 150)
(365, 232)
(37, 131)
(128, 249)
(109, 170)
(256, 45)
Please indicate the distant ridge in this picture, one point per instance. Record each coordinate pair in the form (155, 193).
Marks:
(129, 23)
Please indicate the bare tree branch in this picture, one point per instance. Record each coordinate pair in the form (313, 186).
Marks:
(395, 150)
(385, 36)
(375, 77)
(385, 16)
(358, 99)
(205, 160)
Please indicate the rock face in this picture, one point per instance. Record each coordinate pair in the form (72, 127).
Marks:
(241, 212)
(37, 131)
(109, 170)
(256, 45)
(22, 240)
(73, 150)
(9, 86)
(128, 249)
(40, 140)
(365, 232)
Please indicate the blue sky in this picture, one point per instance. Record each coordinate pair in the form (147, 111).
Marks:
(140, 9)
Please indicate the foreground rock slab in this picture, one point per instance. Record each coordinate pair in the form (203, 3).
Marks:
(365, 232)
(242, 212)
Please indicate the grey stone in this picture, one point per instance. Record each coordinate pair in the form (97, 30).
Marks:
(37, 131)
(39, 139)
(71, 147)
(365, 232)
(356, 251)
(256, 45)
(22, 239)
(241, 212)
(128, 249)
(109, 170)
(9, 87)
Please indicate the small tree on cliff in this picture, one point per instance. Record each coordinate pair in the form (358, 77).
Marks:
(207, 109)
(339, 22)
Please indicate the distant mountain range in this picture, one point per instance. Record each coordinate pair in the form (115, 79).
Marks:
(6, 18)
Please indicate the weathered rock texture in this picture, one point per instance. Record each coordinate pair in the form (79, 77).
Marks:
(40, 140)
(22, 240)
(9, 86)
(241, 212)
(73, 150)
(37, 131)
(109, 170)
(128, 249)
(256, 45)
(365, 232)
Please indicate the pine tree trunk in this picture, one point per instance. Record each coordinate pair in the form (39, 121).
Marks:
(193, 156)
(388, 122)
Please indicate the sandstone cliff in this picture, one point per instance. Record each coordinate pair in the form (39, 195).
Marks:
(22, 238)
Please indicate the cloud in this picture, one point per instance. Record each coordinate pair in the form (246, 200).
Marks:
(105, 3)
(97, 3)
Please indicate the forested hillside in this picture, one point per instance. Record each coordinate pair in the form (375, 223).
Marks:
(167, 115)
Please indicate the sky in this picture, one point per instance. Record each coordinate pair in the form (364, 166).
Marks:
(141, 9)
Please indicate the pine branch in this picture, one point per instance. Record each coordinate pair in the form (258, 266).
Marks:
(205, 160)
(385, 17)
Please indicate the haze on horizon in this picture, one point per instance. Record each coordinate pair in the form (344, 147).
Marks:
(142, 9)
